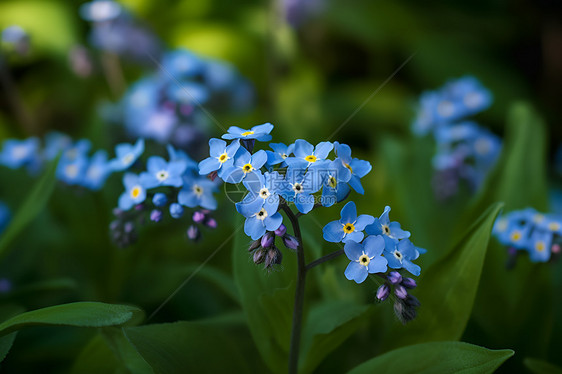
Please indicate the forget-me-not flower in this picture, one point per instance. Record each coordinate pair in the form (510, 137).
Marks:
(221, 157)
(358, 168)
(262, 192)
(198, 192)
(18, 153)
(279, 154)
(365, 258)
(401, 255)
(391, 231)
(162, 173)
(244, 164)
(259, 132)
(305, 154)
(134, 194)
(126, 155)
(349, 227)
(260, 221)
(97, 171)
(299, 187)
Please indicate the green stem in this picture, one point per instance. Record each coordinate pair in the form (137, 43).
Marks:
(323, 259)
(299, 293)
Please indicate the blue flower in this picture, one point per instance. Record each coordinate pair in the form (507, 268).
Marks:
(97, 171)
(176, 210)
(391, 231)
(307, 155)
(334, 181)
(100, 10)
(5, 216)
(55, 142)
(126, 154)
(18, 153)
(262, 192)
(162, 173)
(179, 155)
(358, 168)
(222, 157)
(198, 192)
(259, 132)
(365, 258)
(134, 193)
(160, 199)
(401, 255)
(189, 93)
(181, 64)
(244, 164)
(72, 171)
(299, 187)
(279, 154)
(349, 227)
(539, 245)
(260, 221)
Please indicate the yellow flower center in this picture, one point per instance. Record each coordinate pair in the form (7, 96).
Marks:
(348, 228)
(554, 226)
(136, 191)
(247, 133)
(198, 190)
(538, 218)
(540, 246)
(364, 260)
(247, 168)
(310, 158)
(349, 167)
(223, 158)
(516, 236)
(332, 182)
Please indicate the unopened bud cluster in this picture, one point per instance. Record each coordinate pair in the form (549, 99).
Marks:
(405, 305)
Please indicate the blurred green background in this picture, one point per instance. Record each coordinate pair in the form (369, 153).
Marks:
(309, 80)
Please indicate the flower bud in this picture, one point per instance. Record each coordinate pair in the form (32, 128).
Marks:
(401, 292)
(193, 233)
(273, 257)
(382, 292)
(394, 277)
(259, 256)
(412, 301)
(211, 223)
(176, 210)
(5, 285)
(114, 225)
(156, 215)
(282, 230)
(128, 227)
(267, 240)
(159, 199)
(404, 313)
(556, 248)
(198, 216)
(117, 212)
(255, 245)
(139, 207)
(409, 283)
(290, 242)
(213, 175)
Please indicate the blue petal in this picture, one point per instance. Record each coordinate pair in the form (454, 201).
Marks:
(393, 262)
(349, 213)
(363, 221)
(344, 152)
(209, 165)
(384, 220)
(125, 201)
(216, 147)
(274, 158)
(254, 228)
(249, 208)
(333, 232)
(397, 232)
(360, 167)
(356, 272)
(323, 150)
(411, 267)
(375, 228)
(355, 183)
(356, 236)
(233, 148)
(156, 164)
(374, 245)
(378, 265)
(303, 148)
(263, 129)
(208, 201)
(353, 250)
(389, 243)
(188, 198)
(304, 202)
(273, 222)
(259, 159)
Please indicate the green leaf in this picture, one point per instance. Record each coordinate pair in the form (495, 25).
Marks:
(184, 347)
(125, 351)
(7, 341)
(448, 288)
(81, 314)
(541, 367)
(436, 357)
(218, 278)
(327, 327)
(96, 357)
(267, 300)
(31, 207)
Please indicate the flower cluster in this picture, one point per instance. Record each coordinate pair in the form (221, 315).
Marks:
(115, 30)
(528, 230)
(165, 185)
(465, 150)
(386, 246)
(75, 167)
(167, 106)
(5, 216)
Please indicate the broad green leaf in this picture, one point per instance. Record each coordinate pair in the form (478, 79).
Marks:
(81, 314)
(97, 357)
(267, 300)
(7, 311)
(183, 347)
(31, 207)
(125, 351)
(436, 357)
(327, 327)
(541, 367)
(447, 289)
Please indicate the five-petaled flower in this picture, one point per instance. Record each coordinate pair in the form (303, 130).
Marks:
(401, 255)
(365, 258)
(306, 155)
(126, 154)
(222, 157)
(259, 132)
(391, 231)
(349, 227)
(162, 173)
(198, 192)
(244, 164)
(358, 168)
(259, 221)
(134, 193)
(279, 154)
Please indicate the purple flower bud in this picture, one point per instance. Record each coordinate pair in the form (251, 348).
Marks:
(176, 210)
(193, 233)
(404, 312)
(259, 257)
(409, 283)
(401, 292)
(156, 215)
(267, 240)
(211, 223)
(282, 230)
(159, 199)
(114, 225)
(556, 248)
(512, 252)
(117, 212)
(198, 216)
(255, 245)
(5, 285)
(394, 277)
(128, 227)
(383, 292)
(273, 257)
(213, 175)
(412, 301)
(290, 242)
(139, 207)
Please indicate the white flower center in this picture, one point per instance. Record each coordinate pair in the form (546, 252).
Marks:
(262, 214)
(162, 175)
(198, 190)
(445, 109)
(71, 171)
(472, 100)
(19, 152)
(364, 260)
(264, 193)
(398, 255)
(297, 187)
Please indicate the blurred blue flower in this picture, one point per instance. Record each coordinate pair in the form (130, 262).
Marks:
(179, 155)
(160, 199)
(391, 231)
(259, 132)
(365, 258)
(18, 153)
(221, 157)
(349, 227)
(244, 165)
(305, 154)
(401, 254)
(134, 194)
(182, 64)
(55, 143)
(198, 192)
(126, 155)
(162, 173)
(97, 171)
(17, 38)
(100, 10)
(5, 216)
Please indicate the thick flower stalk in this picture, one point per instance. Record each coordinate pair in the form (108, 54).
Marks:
(537, 234)
(284, 184)
(465, 151)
